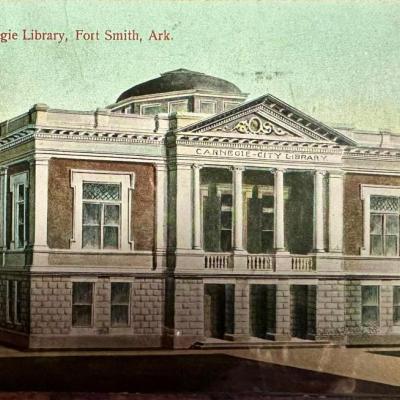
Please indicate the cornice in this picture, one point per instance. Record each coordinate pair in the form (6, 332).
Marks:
(371, 153)
(24, 135)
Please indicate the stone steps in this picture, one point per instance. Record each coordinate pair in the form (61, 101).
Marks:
(265, 344)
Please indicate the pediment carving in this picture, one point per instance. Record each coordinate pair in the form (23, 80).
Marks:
(269, 118)
(254, 125)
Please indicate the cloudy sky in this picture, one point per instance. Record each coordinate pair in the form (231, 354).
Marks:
(336, 60)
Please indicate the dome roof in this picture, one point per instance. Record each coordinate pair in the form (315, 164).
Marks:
(181, 79)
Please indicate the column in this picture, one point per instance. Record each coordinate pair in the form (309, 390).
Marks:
(196, 207)
(3, 208)
(40, 202)
(279, 206)
(238, 208)
(319, 245)
(336, 211)
(161, 207)
(183, 210)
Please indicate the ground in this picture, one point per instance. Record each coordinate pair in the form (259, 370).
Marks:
(326, 372)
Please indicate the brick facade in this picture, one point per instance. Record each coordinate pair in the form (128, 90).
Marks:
(353, 211)
(61, 200)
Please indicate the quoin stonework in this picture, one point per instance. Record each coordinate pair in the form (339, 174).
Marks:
(183, 213)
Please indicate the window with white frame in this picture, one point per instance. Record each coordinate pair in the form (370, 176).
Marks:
(369, 305)
(120, 303)
(384, 225)
(381, 208)
(82, 304)
(19, 190)
(101, 220)
(102, 210)
(13, 309)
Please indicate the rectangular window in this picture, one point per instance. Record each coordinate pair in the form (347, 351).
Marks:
(229, 105)
(267, 233)
(151, 109)
(226, 222)
(384, 226)
(369, 305)
(14, 292)
(396, 305)
(178, 106)
(101, 211)
(18, 188)
(120, 296)
(82, 304)
(207, 107)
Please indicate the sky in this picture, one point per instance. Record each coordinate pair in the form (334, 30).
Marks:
(337, 61)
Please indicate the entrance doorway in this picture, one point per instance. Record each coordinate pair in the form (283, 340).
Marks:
(262, 310)
(303, 311)
(218, 310)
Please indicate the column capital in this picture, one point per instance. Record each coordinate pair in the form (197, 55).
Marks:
(197, 166)
(39, 160)
(161, 167)
(237, 168)
(278, 170)
(3, 170)
(321, 172)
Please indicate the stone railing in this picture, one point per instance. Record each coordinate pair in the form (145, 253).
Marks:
(260, 262)
(218, 261)
(303, 263)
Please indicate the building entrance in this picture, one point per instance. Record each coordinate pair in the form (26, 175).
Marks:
(303, 311)
(262, 310)
(218, 310)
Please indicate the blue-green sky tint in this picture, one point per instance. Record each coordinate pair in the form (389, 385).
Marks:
(336, 60)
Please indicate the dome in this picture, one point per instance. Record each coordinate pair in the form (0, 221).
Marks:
(181, 79)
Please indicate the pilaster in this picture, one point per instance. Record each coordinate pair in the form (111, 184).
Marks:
(335, 211)
(161, 213)
(319, 224)
(39, 191)
(196, 207)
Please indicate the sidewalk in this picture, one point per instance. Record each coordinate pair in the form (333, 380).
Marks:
(358, 363)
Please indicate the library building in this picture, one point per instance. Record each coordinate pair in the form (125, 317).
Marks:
(185, 215)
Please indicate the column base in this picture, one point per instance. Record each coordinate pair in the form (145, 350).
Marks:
(318, 251)
(282, 252)
(239, 251)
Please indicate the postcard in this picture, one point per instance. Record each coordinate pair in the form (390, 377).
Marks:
(199, 199)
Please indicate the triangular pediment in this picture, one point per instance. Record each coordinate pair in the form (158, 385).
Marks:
(271, 118)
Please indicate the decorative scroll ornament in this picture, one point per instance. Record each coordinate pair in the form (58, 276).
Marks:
(255, 126)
